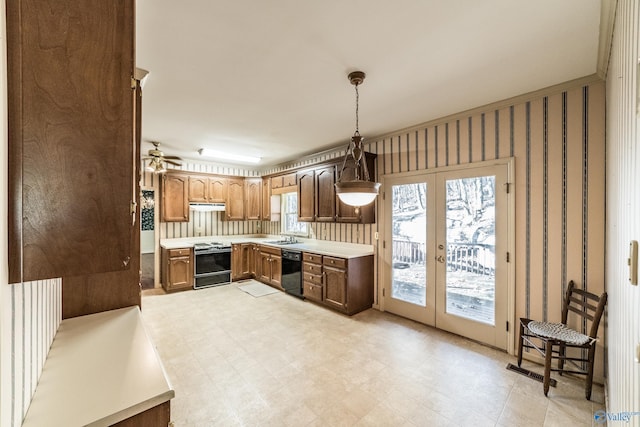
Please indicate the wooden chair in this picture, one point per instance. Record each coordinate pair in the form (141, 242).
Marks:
(552, 340)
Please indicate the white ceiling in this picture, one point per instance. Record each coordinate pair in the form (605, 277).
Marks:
(269, 78)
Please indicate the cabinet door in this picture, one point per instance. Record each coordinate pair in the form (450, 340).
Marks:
(264, 273)
(306, 196)
(245, 259)
(255, 261)
(235, 199)
(335, 287)
(180, 273)
(217, 189)
(253, 198)
(236, 261)
(70, 107)
(326, 194)
(266, 199)
(198, 189)
(276, 270)
(175, 200)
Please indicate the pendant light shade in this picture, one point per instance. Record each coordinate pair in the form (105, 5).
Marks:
(357, 192)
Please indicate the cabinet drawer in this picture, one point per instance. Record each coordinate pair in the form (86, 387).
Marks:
(179, 252)
(311, 291)
(311, 268)
(308, 257)
(335, 262)
(312, 278)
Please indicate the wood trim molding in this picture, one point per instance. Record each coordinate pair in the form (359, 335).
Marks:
(607, 24)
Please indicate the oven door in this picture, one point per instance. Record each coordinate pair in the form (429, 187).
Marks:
(212, 262)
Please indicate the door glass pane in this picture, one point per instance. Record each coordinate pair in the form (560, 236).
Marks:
(470, 273)
(409, 225)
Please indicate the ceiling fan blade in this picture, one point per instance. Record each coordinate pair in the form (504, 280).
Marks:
(173, 157)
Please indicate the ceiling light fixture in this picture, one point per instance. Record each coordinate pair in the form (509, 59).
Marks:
(206, 152)
(356, 192)
(156, 166)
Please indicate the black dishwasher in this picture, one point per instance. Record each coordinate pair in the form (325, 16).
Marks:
(292, 272)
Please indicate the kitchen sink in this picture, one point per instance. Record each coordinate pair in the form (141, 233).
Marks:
(282, 242)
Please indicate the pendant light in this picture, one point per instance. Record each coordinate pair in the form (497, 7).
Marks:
(358, 192)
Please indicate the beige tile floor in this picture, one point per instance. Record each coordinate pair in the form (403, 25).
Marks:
(278, 361)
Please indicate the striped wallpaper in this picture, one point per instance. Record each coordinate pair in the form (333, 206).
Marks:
(33, 311)
(623, 209)
(558, 142)
(557, 138)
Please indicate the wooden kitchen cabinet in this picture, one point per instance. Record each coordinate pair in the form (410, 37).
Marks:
(177, 269)
(207, 189)
(266, 199)
(306, 196)
(218, 189)
(71, 154)
(312, 276)
(343, 284)
(270, 266)
(255, 260)
(175, 197)
(235, 200)
(325, 194)
(253, 198)
(198, 189)
(241, 261)
(335, 282)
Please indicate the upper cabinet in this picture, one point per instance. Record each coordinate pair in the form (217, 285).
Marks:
(175, 197)
(253, 198)
(72, 156)
(317, 200)
(306, 196)
(207, 189)
(217, 189)
(325, 181)
(266, 199)
(235, 200)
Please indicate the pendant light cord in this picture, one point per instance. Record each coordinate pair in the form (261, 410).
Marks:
(357, 107)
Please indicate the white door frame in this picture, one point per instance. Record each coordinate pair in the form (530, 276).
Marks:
(384, 287)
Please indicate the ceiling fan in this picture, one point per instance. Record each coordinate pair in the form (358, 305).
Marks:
(157, 159)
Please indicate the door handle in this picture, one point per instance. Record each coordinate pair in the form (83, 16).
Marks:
(440, 259)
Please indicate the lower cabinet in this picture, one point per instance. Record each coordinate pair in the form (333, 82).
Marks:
(242, 261)
(176, 272)
(270, 266)
(344, 284)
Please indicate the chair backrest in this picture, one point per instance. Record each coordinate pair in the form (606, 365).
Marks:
(585, 304)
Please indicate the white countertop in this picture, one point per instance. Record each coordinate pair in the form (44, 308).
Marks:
(322, 247)
(102, 368)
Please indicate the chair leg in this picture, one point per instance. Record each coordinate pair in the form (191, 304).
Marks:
(561, 355)
(589, 380)
(520, 345)
(547, 366)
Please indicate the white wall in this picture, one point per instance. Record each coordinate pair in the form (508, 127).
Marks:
(623, 211)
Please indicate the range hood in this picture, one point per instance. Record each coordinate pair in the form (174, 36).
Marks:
(207, 207)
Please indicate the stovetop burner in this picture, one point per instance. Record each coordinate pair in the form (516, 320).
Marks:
(210, 245)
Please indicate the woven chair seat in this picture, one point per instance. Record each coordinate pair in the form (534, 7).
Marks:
(558, 331)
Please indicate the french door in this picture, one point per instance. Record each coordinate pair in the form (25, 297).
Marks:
(446, 248)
